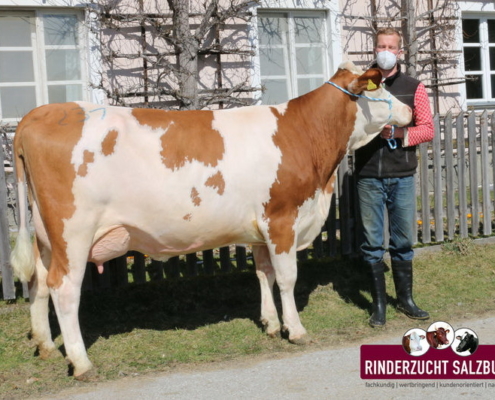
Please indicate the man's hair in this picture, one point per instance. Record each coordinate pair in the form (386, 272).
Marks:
(389, 31)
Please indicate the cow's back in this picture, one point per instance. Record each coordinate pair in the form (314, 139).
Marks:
(188, 180)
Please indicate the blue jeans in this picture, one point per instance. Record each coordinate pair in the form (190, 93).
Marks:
(398, 196)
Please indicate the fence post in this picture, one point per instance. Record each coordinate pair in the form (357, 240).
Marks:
(138, 267)
(461, 169)
(449, 175)
(492, 125)
(156, 270)
(171, 268)
(5, 268)
(225, 264)
(192, 264)
(425, 192)
(473, 174)
(240, 258)
(209, 262)
(485, 167)
(119, 271)
(437, 181)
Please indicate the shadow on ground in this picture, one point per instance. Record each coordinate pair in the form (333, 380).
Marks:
(189, 303)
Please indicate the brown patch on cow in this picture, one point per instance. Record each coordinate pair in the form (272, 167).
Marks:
(406, 343)
(188, 136)
(312, 136)
(88, 158)
(438, 337)
(195, 197)
(187, 217)
(108, 144)
(216, 181)
(45, 140)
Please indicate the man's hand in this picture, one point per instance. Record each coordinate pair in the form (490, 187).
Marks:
(386, 132)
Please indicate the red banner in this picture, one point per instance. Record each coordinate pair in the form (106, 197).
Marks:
(393, 362)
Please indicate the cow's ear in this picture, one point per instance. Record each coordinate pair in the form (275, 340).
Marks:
(422, 337)
(369, 81)
(458, 337)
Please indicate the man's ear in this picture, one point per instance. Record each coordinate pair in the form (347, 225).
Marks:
(369, 81)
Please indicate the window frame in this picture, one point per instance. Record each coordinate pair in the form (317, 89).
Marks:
(485, 72)
(39, 49)
(290, 48)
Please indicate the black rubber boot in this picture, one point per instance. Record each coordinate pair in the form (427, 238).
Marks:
(378, 292)
(403, 279)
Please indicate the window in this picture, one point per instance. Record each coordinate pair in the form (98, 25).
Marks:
(293, 54)
(479, 57)
(40, 60)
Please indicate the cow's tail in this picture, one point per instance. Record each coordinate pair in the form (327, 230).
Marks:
(22, 257)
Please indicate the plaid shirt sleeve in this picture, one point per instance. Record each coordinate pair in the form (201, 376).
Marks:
(423, 130)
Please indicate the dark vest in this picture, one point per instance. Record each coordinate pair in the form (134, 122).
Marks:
(376, 159)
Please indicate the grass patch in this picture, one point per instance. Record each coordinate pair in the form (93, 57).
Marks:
(162, 326)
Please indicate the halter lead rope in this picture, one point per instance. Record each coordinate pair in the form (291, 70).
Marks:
(392, 143)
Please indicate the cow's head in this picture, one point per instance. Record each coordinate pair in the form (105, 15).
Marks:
(376, 107)
(441, 335)
(415, 341)
(468, 342)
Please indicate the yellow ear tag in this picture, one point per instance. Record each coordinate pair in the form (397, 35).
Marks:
(371, 85)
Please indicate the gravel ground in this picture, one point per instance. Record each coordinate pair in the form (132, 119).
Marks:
(323, 374)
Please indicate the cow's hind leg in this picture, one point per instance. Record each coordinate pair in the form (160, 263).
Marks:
(266, 276)
(66, 294)
(39, 295)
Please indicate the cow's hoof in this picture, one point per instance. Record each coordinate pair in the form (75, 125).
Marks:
(274, 334)
(48, 352)
(271, 329)
(88, 376)
(302, 341)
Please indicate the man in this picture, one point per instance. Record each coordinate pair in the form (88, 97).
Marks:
(385, 169)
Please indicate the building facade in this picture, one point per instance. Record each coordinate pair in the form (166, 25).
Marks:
(125, 52)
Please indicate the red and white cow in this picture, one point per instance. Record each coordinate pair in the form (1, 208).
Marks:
(412, 342)
(437, 338)
(262, 175)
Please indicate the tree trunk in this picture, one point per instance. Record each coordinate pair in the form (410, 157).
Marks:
(409, 35)
(187, 54)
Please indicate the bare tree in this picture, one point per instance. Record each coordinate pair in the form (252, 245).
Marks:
(428, 29)
(166, 51)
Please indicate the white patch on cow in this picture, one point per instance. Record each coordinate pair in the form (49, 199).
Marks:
(281, 108)
(372, 116)
(251, 159)
(147, 196)
(310, 218)
(285, 266)
(415, 342)
(22, 257)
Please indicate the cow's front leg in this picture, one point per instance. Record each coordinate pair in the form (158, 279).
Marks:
(266, 276)
(66, 298)
(285, 265)
(39, 296)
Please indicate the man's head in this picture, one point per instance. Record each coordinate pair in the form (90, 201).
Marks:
(388, 41)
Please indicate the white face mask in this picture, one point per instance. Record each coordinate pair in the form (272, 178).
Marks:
(386, 60)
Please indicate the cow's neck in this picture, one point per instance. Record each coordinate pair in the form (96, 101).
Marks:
(325, 123)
